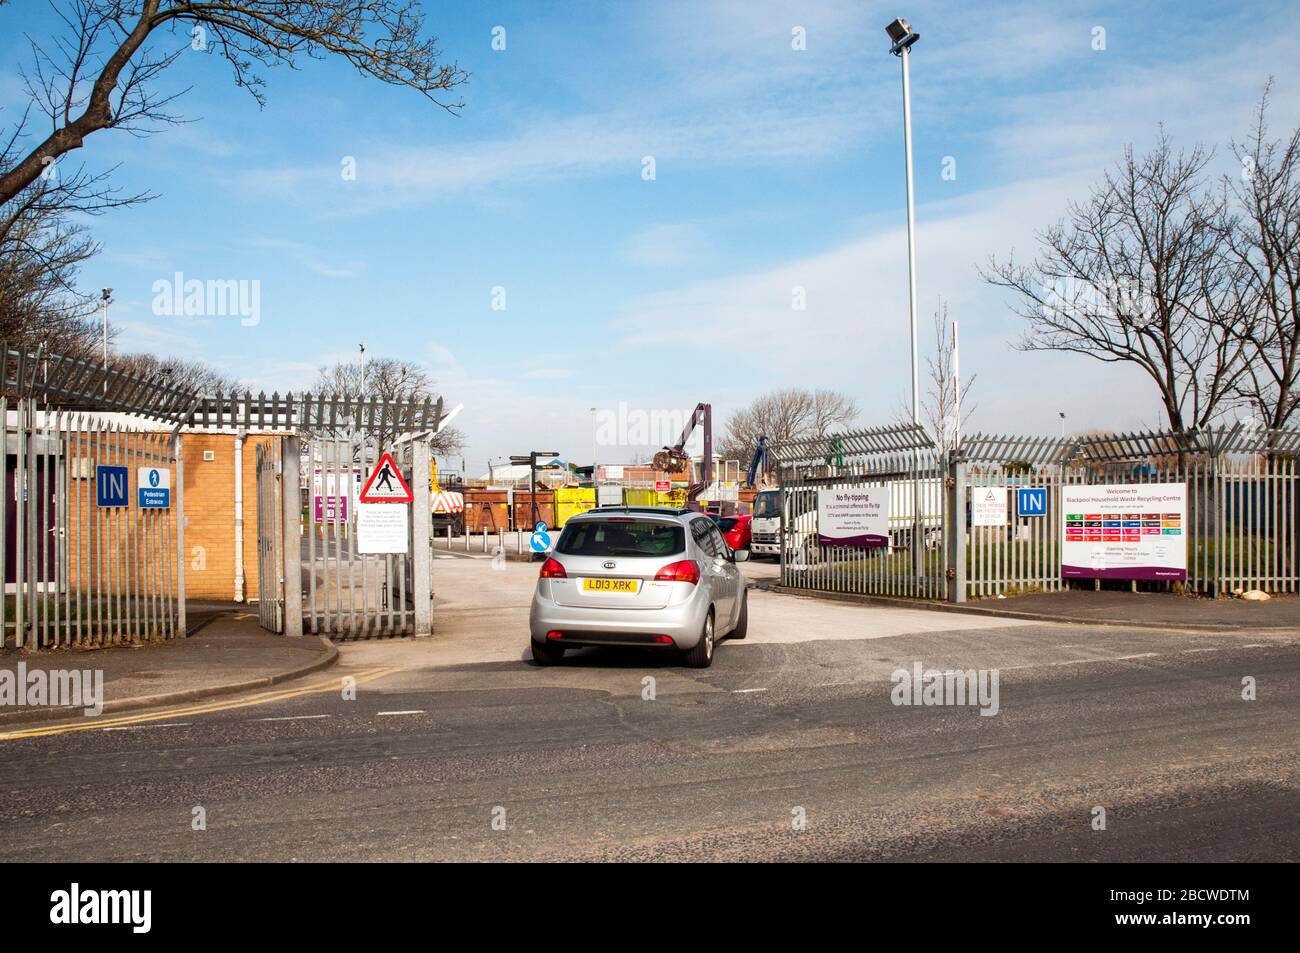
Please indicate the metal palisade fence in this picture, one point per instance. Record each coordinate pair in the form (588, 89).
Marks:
(84, 563)
(1240, 487)
(94, 525)
(903, 463)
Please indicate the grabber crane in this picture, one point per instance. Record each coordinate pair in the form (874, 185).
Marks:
(674, 459)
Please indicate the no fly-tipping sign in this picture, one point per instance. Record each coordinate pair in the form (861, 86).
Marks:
(385, 483)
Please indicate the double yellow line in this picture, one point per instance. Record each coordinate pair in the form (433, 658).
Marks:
(98, 724)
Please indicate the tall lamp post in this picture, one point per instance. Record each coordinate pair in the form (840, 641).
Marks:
(902, 37)
(108, 296)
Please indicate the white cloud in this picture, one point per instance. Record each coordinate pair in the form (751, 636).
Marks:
(311, 258)
(666, 246)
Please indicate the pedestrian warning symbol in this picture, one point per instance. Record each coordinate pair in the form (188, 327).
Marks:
(385, 483)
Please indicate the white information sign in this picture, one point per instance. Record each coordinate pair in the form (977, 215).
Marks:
(988, 506)
(1124, 531)
(853, 517)
(383, 528)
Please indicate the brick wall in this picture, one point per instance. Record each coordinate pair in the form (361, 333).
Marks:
(210, 512)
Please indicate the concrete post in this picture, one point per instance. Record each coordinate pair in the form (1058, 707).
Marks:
(421, 527)
(291, 500)
(956, 530)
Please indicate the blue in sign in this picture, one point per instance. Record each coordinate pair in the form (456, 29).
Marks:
(1031, 501)
(112, 486)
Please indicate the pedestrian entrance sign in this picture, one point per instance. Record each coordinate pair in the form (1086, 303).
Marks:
(385, 483)
(153, 488)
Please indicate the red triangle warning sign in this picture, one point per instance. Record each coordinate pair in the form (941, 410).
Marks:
(385, 483)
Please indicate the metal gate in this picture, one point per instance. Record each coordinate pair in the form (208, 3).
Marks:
(312, 576)
(83, 562)
(901, 460)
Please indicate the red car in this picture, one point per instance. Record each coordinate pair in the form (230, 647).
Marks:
(735, 530)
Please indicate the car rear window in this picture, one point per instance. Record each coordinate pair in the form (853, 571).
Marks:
(621, 538)
(726, 523)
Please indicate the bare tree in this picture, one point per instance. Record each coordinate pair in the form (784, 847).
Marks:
(782, 416)
(41, 254)
(391, 380)
(1264, 241)
(101, 70)
(197, 376)
(1138, 275)
(942, 398)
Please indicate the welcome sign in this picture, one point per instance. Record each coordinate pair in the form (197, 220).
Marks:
(853, 517)
(1124, 531)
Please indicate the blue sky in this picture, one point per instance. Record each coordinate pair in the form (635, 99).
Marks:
(775, 168)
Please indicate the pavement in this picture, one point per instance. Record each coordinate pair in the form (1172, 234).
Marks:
(789, 748)
(1105, 607)
(1116, 607)
(228, 653)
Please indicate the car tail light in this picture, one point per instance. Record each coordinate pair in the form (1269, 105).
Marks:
(554, 635)
(664, 639)
(686, 570)
(551, 569)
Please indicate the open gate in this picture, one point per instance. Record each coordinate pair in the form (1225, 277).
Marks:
(312, 575)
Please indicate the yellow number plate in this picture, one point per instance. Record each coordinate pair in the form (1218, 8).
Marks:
(630, 586)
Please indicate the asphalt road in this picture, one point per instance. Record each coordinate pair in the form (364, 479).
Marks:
(574, 763)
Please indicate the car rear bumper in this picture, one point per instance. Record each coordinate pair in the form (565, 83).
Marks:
(683, 622)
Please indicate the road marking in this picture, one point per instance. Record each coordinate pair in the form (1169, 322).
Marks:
(412, 711)
(331, 685)
(746, 691)
(1121, 658)
(290, 718)
(170, 724)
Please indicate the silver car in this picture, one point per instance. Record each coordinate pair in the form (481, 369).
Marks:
(659, 578)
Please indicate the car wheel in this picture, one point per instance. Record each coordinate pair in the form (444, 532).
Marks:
(701, 656)
(547, 654)
(742, 624)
